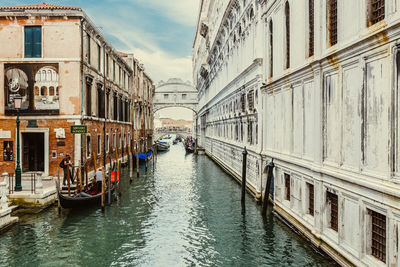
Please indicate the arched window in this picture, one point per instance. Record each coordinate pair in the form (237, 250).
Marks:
(58, 90)
(51, 91)
(36, 91)
(43, 91)
(271, 50)
(287, 21)
(310, 28)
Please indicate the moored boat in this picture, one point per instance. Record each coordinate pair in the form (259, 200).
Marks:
(162, 146)
(142, 156)
(80, 200)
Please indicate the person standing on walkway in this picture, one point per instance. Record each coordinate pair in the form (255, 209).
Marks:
(65, 165)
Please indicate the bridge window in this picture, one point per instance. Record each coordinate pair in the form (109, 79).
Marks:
(184, 96)
(165, 96)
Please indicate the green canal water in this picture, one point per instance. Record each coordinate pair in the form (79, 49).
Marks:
(185, 213)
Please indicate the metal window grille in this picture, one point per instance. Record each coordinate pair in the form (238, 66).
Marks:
(311, 199)
(333, 22)
(287, 186)
(243, 102)
(271, 50)
(311, 27)
(250, 99)
(378, 244)
(377, 11)
(333, 202)
(287, 14)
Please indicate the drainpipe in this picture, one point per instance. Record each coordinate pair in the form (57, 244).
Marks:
(82, 86)
(104, 100)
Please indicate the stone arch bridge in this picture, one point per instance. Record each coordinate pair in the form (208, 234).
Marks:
(175, 93)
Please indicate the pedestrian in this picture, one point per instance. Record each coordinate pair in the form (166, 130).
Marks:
(99, 180)
(65, 165)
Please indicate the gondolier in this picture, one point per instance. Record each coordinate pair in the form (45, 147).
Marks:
(65, 165)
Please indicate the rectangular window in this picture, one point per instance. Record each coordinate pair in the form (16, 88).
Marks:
(287, 186)
(88, 48)
(333, 205)
(33, 41)
(98, 58)
(115, 104)
(250, 100)
(119, 76)
(165, 96)
(113, 70)
(98, 144)
(271, 50)
(107, 65)
(243, 102)
(107, 104)
(377, 11)
(100, 103)
(310, 28)
(88, 146)
(107, 143)
(378, 236)
(332, 22)
(287, 16)
(119, 140)
(184, 96)
(88, 99)
(310, 199)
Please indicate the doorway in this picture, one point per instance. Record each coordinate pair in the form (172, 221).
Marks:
(33, 152)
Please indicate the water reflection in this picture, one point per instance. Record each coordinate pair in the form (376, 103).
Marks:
(187, 212)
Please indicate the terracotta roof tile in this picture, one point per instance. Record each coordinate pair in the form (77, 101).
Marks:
(42, 6)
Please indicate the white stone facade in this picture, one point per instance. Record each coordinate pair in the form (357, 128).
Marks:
(327, 113)
(227, 73)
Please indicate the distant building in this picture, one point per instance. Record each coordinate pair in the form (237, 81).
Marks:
(167, 122)
(68, 74)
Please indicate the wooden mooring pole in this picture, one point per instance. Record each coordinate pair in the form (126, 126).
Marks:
(137, 161)
(244, 174)
(270, 167)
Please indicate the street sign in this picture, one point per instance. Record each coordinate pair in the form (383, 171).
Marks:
(78, 129)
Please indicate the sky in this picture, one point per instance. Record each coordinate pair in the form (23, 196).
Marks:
(158, 32)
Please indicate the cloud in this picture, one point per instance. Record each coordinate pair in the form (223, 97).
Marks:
(181, 11)
(159, 63)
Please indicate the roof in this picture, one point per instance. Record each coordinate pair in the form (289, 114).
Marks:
(42, 6)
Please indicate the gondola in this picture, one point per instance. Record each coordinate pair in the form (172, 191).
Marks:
(80, 200)
(189, 149)
(175, 141)
(162, 146)
(142, 158)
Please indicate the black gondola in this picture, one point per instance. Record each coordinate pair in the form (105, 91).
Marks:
(189, 149)
(80, 200)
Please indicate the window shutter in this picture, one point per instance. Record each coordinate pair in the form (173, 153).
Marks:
(37, 41)
(28, 42)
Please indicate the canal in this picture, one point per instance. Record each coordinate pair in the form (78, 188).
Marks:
(185, 213)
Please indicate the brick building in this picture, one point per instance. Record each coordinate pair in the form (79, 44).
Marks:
(67, 74)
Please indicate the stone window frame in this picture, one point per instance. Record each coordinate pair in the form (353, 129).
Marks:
(98, 144)
(287, 35)
(367, 232)
(107, 143)
(88, 146)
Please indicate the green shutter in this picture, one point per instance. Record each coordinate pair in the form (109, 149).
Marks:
(37, 41)
(28, 42)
